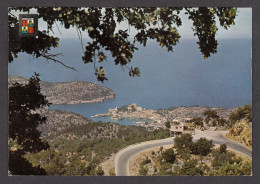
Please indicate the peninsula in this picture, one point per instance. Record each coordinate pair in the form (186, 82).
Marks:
(75, 92)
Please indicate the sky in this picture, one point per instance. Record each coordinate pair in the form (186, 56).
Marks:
(241, 29)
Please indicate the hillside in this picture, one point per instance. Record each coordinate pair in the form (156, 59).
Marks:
(70, 92)
(241, 130)
(242, 133)
(58, 121)
(78, 145)
(68, 125)
(194, 111)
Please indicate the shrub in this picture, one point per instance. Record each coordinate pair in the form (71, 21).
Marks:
(169, 156)
(246, 168)
(112, 172)
(223, 148)
(197, 121)
(146, 161)
(185, 153)
(221, 158)
(167, 124)
(99, 171)
(155, 169)
(184, 141)
(161, 148)
(166, 169)
(189, 169)
(244, 112)
(210, 115)
(143, 171)
(201, 147)
(229, 169)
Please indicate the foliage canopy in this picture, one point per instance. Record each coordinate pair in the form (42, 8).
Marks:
(101, 24)
(210, 115)
(182, 142)
(24, 100)
(169, 156)
(202, 147)
(244, 112)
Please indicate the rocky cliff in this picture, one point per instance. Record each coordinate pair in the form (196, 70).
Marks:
(242, 133)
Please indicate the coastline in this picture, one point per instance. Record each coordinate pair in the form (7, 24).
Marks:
(97, 100)
(74, 92)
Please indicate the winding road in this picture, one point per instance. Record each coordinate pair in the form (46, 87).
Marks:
(124, 156)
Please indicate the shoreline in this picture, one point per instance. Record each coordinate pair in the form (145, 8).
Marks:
(76, 102)
(73, 92)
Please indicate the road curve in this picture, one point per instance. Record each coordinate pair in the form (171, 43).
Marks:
(123, 157)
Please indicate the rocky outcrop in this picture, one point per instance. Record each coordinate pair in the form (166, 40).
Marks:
(242, 133)
(70, 92)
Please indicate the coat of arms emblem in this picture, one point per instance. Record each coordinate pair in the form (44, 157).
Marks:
(28, 25)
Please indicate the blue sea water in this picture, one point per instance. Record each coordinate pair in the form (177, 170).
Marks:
(179, 78)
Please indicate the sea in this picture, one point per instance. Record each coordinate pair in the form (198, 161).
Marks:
(168, 79)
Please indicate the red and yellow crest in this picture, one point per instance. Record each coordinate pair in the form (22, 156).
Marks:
(28, 25)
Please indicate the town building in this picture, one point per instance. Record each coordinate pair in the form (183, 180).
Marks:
(178, 128)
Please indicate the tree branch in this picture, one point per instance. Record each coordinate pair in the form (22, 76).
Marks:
(49, 56)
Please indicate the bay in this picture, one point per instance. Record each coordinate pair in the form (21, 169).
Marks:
(179, 78)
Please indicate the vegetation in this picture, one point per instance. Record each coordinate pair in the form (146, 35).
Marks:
(169, 156)
(183, 142)
(143, 170)
(227, 163)
(159, 24)
(244, 112)
(222, 122)
(77, 145)
(216, 162)
(167, 124)
(241, 125)
(78, 150)
(201, 147)
(189, 168)
(223, 148)
(233, 169)
(198, 121)
(146, 161)
(165, 169)
(23, 134)
(81, 154)
(58, 120)
(211, 118)
(194, 112)
(99, 171)
(210, 115)
(184, 146)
